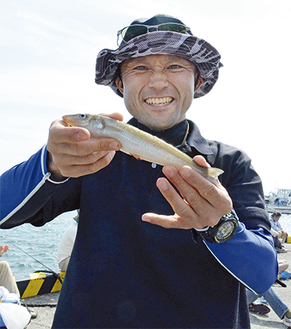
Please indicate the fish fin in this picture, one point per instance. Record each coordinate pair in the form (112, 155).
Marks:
(214, 172)
(135, 156)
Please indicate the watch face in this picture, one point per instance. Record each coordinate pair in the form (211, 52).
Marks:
(225, 230)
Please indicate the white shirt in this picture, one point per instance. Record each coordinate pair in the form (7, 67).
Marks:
(67, 242)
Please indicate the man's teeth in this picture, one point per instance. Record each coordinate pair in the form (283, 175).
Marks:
(159, 101)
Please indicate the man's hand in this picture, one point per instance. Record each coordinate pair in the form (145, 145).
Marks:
(202, 203)
(3, 249)
(72, 153)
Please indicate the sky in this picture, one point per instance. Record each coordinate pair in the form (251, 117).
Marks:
(48, 50)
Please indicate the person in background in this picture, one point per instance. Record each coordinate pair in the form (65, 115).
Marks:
(260, 305)
(278, 232)
(283, 274)
(150, 237)
(278, 202)
(270, 297)
(7, 279)
(276, 303)
(66, 245)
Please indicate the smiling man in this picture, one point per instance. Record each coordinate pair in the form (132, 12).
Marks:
(156, 247)
(158, 89)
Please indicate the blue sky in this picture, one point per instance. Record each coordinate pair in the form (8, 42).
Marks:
(47, 63)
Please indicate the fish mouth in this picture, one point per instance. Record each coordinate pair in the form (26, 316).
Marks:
(159, 101)
(65, 119)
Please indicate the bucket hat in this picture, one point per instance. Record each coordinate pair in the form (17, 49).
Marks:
(154, 41)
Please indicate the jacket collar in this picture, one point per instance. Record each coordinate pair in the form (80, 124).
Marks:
(176, 134)
(197, 141)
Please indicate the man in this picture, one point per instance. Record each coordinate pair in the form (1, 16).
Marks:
(66, 245)
(7, 279)
(187, 262)
(278, 232)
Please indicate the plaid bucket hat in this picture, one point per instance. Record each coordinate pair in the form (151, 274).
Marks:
(164, 35)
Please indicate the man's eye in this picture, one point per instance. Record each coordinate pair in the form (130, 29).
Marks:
(175, 67)
(140, 68)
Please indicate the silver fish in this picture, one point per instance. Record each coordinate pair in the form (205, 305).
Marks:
(138, 143)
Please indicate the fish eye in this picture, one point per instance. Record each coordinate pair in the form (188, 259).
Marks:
(82, 116)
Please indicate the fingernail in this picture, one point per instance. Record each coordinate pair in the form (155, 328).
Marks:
(185, 172)
(170, 171)
(114, 146)
(81, 135)
(111, 154)
(145, 218)
(162, 185)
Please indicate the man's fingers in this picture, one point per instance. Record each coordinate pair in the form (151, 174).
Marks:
(114, 115)
(85, 148)
(162, 220)
(215, 195)
(60, 132)
(86, 159)
(73, 152)
(200, 160)
(199, 204)
(77, 170)
(190, 194)
(171, 195)
(73, 141)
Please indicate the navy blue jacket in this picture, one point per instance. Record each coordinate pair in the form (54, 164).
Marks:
(125, 273)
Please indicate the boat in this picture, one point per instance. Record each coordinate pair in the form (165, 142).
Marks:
(280, 201)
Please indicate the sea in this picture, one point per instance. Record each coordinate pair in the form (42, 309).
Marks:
(35, 248)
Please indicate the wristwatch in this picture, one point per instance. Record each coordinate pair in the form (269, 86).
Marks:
(223, 231)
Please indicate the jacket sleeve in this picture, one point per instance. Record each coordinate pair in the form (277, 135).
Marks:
(29, 195)
(250, 255)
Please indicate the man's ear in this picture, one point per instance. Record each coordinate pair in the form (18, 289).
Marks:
(119, 84)
(199, 82)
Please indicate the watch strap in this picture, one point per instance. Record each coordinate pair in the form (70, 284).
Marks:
(211, 233)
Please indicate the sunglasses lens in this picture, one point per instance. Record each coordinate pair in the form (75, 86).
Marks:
(133, 31)
(173, 27)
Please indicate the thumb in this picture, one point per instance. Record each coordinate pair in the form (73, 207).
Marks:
(60, 132)
(200, 160)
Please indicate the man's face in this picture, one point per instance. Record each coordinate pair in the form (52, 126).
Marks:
(276, 218)
(157, 89)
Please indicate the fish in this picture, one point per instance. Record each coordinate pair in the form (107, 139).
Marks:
(138, 143)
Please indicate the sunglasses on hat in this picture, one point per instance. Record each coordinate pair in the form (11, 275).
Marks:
(132, 31)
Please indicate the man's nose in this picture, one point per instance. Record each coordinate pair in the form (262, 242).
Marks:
(158, 80)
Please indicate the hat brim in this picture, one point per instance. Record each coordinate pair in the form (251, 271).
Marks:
(199, 52)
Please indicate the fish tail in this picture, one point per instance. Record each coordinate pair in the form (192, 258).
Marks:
(214, 172)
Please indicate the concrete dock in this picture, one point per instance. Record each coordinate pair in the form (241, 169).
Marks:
(45, 305)
(271, 320)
